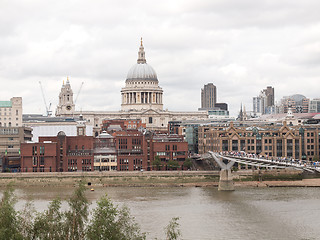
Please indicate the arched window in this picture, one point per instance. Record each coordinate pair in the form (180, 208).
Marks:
(61, 133)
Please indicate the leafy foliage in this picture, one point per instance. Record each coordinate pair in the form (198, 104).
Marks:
(8, 216)
(172, 230)
(49, 225)
(156, 162)
(187, 163)
(77, 215)
(172, 164)
(107, 221)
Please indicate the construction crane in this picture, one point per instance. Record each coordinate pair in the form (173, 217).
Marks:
(78, 93)
(48, 111)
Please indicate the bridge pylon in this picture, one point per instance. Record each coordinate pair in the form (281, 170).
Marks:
(226, 178)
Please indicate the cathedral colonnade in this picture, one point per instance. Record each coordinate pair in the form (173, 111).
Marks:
(142, 97)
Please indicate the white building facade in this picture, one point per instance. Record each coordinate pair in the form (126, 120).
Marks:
(11, 112)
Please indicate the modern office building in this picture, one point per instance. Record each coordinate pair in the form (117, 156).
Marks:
(208, 96)
(264, 103)
(298, 103)
(314, 106)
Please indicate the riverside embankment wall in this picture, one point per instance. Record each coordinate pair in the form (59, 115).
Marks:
(152, 178)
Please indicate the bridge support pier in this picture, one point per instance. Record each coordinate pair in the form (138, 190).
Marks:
(226, 180)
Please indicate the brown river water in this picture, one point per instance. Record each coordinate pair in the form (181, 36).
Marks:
(206, 213)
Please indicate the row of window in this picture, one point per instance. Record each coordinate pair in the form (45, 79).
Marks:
(9, 110)
(38, 160)
(35, 150)
(104, 160)
(174, 147)
(105, 168)
(9, 124)
(124, 161)
(5, 119)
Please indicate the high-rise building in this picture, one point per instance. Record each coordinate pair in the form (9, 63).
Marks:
(314, 105)
(269, 92)
(263, 104)
(209, 101)
(208, 96)
(297, 103)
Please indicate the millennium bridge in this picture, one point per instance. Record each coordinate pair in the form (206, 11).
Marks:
(226, 160)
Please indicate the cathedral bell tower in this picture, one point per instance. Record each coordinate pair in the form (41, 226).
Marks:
(66, 107)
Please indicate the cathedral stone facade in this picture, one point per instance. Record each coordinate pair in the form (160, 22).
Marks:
(141, 99)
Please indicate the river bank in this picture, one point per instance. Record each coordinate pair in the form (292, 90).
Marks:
(246, 178)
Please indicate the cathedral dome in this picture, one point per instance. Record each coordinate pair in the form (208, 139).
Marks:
(142, 71)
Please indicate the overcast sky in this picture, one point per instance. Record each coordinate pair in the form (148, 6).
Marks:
(241, 46)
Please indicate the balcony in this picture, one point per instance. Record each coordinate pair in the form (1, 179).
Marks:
(80, 152)
(130, 151)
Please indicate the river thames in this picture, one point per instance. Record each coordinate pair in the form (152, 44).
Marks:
(206, 213)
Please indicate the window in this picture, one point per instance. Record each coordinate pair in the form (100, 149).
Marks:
(150, 119)
(17, 112)
(34, 161)
(34, 150)
(42, 161)
(41, 150)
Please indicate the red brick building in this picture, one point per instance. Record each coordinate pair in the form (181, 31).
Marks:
(115, 125)
(169, 149)
(137, 150)
(38, 157)
(131, 149)
(58, 154)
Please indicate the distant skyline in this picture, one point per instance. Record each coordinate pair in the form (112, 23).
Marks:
(240, 46)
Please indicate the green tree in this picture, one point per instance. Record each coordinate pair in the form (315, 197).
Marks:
(109, 222)
(9, 222)
(187, 163)
(172, 229)
(26, 219)
(49, 225)
(77, 215)
(172, 164)
(156, 162)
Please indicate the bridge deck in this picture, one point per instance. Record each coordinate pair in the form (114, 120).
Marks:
(268, 163)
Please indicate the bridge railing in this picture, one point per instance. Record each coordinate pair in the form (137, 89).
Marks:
(272, 161)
